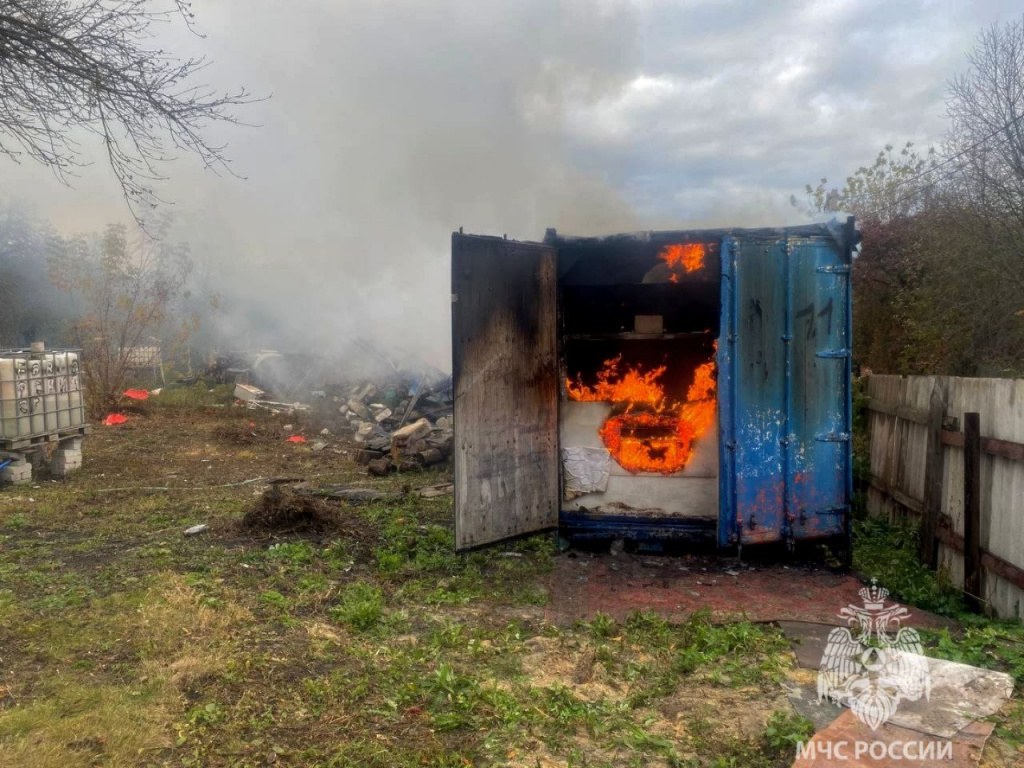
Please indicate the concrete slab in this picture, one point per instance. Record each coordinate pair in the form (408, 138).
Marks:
(803, 697)
(808, 641)
(960, 694)
(892, 745)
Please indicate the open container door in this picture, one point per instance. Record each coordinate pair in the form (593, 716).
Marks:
(505, 380)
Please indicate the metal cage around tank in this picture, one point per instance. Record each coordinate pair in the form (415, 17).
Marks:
(42, 396)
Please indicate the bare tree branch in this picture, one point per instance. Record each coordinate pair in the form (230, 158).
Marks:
(73, 65)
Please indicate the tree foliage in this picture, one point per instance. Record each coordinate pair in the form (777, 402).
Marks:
(939, 284)
(31, 308)
(129, 293)
(70, 68)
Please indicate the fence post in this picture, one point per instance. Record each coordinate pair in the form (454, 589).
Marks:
(933, 468)
(972, 510)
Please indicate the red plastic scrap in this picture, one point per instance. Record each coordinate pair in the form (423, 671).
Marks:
(137, 394)
(115, 418)
(296, 439)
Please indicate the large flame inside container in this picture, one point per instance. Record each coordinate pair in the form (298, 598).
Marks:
(652, 433)
(688, 257)
(630, 386)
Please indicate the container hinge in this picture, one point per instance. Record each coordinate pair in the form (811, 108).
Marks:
(785, 440)
(787, 337)
(833, 353)
(840, 510)
(834, 269)
(731, 445)
(833, 437)
(731, 337)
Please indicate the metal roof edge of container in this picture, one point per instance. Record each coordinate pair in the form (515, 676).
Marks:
(844, 233)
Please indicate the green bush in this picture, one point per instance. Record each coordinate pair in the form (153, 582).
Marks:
(889, 553)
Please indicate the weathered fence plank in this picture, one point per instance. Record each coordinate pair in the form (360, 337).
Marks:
(1005, 448)
(916, 415)
(933, 470)
(991, 563)
(905, 479)
(972, 509)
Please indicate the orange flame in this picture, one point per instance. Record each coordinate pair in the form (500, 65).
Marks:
(633, 386)
(659, 436)
(689, 256)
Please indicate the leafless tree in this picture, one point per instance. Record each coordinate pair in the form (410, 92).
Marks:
(986, 135)
(73, 65)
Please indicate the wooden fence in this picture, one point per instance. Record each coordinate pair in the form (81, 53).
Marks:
(950, 451)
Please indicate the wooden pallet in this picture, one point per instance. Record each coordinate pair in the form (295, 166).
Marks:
(31, 441)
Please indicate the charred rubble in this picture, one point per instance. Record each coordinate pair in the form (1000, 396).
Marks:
(398, 412)
(415, 432)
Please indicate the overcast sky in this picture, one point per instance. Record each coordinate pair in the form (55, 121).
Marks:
(393, 123)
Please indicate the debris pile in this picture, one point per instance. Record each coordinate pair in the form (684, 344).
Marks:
(398, 411)
(404, 433)
(254, 398)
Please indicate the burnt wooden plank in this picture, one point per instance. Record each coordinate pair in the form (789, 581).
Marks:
(635, 336)
(504, 359)
(608, 309)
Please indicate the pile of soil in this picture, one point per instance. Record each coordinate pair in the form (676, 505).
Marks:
(281, 509)
(245, 432)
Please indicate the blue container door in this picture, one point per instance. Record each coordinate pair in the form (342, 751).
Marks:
(783, 381)
(819, 432)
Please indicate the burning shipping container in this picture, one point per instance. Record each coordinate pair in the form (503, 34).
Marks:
(691, 384)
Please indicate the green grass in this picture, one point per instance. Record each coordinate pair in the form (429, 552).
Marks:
(729, 655)
(889, 553)
(127, 643)
(196, 396)
(417, 552)
(775, 745)
(361, 606)
(982, 642)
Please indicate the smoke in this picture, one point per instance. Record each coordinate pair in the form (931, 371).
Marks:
(390, 126)
(393, 124)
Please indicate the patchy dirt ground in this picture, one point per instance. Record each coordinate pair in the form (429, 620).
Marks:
(331, 634)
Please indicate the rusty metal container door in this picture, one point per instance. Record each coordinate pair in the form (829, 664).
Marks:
(817, 498)
(505, 378)
(784, 381)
